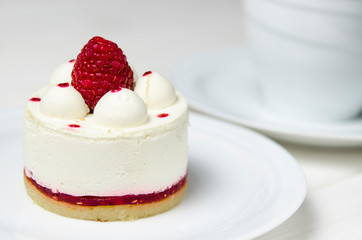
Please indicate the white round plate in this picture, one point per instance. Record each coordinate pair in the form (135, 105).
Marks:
(221, 83)
(240, 185)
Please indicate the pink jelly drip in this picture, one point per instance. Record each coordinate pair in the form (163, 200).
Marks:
(35, 99)
(116, 90)
(63, 85)
(110, 200)
(72, 60)
(162, 115)
(74, 125)
(147, 73)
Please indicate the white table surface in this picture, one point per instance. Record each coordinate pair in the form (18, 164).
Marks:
(36, 36)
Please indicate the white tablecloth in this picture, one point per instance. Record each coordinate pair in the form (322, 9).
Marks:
(36, 36)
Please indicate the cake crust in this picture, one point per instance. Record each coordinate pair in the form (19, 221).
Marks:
(125, 212)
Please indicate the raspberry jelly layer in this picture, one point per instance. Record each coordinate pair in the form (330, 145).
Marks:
(110, 200)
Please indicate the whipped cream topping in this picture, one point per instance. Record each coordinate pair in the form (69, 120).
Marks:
(64, 102)
(119, 109)
(155, 90)
(117, 113)
(89, 127)
(62, 73)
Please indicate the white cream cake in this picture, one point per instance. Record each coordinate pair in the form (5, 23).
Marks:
(124, 160)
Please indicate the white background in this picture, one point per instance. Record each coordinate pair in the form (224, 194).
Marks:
(36, 36)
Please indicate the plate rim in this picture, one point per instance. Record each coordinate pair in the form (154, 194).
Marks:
(303, 190)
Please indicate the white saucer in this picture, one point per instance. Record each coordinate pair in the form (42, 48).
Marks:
(234, 190)
(221, 84)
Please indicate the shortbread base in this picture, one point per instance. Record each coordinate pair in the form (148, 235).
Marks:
(103, 213)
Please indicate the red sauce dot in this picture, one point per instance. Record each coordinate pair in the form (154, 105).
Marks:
(146, 73)
(74, 125)
(63, 85)
(162, 115)
(116, 90)
(72, 60)
(35, 99)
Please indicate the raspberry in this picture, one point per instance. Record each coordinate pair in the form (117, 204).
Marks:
(100, 67)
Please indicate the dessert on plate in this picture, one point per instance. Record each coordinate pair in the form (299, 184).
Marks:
(100, 145)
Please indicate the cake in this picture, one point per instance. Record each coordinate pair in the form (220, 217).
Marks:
(101, 145)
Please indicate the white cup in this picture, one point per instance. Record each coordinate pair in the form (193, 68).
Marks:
(308, 56)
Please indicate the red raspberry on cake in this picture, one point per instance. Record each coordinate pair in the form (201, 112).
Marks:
(100, 67)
